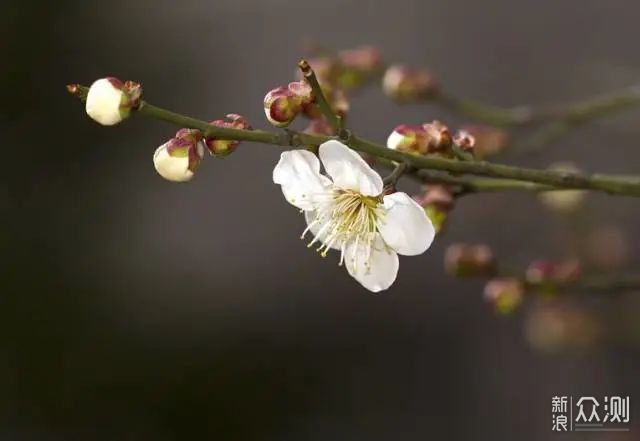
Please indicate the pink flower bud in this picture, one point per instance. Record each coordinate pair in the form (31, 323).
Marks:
(178, 159)
(505, 294)
(464, 140)
(409, 138)
(365, 59)
(405, 84)
(438, 136)
(224, 147)
(281, 106)
(438, 195)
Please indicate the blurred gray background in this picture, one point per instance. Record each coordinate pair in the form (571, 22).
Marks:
(136, 309)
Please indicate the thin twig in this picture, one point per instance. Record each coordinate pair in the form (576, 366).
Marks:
(321, 100)
(398, 171)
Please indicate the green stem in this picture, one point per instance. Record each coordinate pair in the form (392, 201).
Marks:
(613, 184)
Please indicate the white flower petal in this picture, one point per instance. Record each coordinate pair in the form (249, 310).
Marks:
(103, 103)
(405, 227)
(395, 140)
(376, 273)
(348, 170)
(314, 228)
(298, 172)
(175, 169)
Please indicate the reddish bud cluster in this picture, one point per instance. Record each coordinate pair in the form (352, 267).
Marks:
(224, 147)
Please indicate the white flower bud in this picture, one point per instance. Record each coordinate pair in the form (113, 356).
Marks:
(179, 158)
(107, 101)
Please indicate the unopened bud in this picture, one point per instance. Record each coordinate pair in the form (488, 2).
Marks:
(224, 147)
(464, 140)
(439, 137)
(179, 158)
(563, 201)
(433, 137)
(281, 106)
(463, 260)
(505, 294)
(405, 84)
(488, 140)
(409, 139)
(109, 100)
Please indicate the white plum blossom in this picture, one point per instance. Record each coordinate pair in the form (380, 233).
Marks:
(347, 211)
(107, 101)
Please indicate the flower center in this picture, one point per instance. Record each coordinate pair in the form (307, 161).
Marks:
(345, 217)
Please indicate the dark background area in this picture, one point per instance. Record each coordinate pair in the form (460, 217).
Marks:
(136, 309)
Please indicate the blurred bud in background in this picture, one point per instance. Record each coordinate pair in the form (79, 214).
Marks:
(358, 66)
(488, 140)
(405, 84)
(466, 260)
(319, 126)
(504, 294)
(563, 201)
(608, 247)
(437, 201)
(554, 326)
